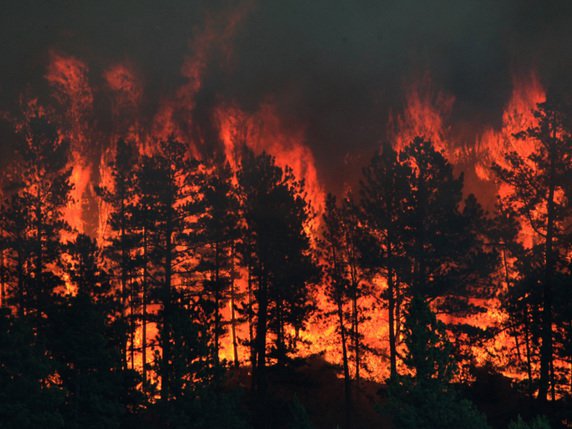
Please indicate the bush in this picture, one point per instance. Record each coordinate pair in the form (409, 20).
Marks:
(430, 406)
(539, 422)
(300, 418)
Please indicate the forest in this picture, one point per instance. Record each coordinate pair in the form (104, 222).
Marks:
(257, 214)
(191, 309)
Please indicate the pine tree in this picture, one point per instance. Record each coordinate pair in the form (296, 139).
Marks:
(337, 287)
(521, 305)
(38, 186)
(436, 215)
(89, 360)
(276, 214)
(427, 400)
(352, 237)
(443, 277)
(217, 230)
(166, 185)
(383, 191)
(122, 241)
(539, 196)
(28, 399)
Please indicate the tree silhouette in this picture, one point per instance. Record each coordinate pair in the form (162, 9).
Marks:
(427, 400)
(352, 235)
(435, 216)
(439, 276)
(39, 189)
(521, 306)
(82, 341)
(217, 229)
(538, 193)
(165, 183)
(27, 400)
(276, 214)
(337, 287)
(122, 241)
(383, 191)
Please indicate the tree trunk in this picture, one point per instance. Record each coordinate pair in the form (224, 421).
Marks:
(21, 285)
(552, 383)
(39, 286)
(398, 300)
(144, 311)
(124, 274)
(355, 317)
(355, 312)
(528, 352)
(347, 378)
(250, 313)
(166, 325)
(391, 311)
(280, 341)
(217, 305)
(261, 329)
(132, 326)
(546, 347)
(507, 283)
(232, 310)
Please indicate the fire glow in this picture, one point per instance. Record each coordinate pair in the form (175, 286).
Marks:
(96, 107)
(426, 114)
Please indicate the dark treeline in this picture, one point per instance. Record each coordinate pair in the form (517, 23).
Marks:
(129, 332)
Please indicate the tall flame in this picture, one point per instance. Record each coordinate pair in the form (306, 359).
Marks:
(518, 116)
(175, 116)
(491, 146)
(425, 114)
(265, 130)
(68, 76)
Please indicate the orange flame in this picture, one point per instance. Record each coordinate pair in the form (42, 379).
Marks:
(68, 76)
(175, 116)
(264, 130)
(518, 116)
(425, 114)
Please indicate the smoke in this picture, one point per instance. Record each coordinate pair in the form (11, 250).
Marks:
(337, 69)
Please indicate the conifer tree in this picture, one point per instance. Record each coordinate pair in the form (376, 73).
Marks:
(38, 189)
(276, 214)
(383, 191)
(166, 185)
(28, 400)
(436, 215)
(539, 195)
(217, 230)
(122, 240)
(82, 341)
(337, 288)
(443, 277)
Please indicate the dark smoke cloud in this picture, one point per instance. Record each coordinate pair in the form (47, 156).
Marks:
(337, 67)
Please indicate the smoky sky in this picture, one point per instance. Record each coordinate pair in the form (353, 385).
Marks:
(336, 67)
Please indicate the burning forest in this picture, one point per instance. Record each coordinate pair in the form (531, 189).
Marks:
(247, 214)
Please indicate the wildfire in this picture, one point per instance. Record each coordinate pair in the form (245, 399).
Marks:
(265, 130)
(68, 77)
(175, 116)
(126, 97)
(491, 146)
(426, 112)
